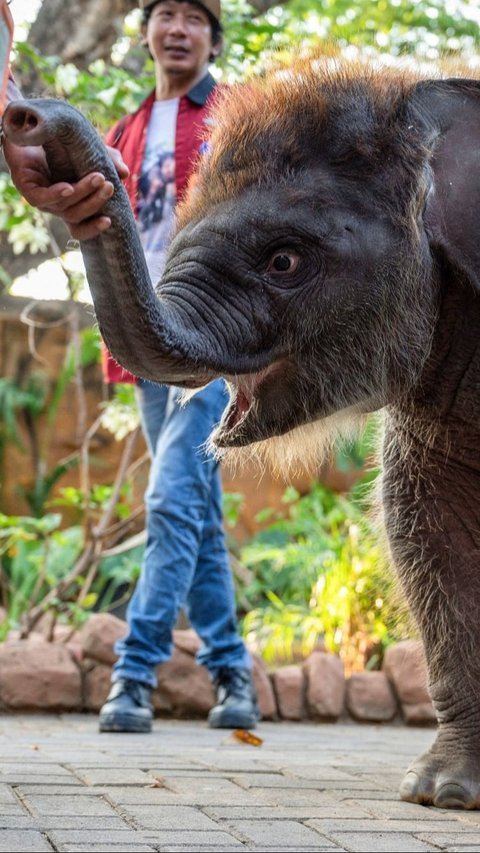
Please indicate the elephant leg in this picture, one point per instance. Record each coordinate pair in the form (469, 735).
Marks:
(432, 517)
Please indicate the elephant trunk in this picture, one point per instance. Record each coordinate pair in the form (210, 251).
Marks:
(142, 331)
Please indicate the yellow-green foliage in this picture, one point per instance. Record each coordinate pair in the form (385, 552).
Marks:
(320, 576)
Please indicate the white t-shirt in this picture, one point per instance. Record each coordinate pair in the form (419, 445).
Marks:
(156, 186)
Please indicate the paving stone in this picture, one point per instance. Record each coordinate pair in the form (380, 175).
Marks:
(20, 841)
(148, 763)
(6, 796)
(175, 848)
(396, 810)
(346, 789)
(67, 805)
(468, 848)
(258, 812)
(388, 796)
(11, 809)
(272, 832)
(179, 772)
(84, 837)
(209, 791)
(168, 817)
(274, 780)
(26, 791)
(106, 848)
(147, 795)
(382, 842)
(236, 764)
(429, 824)
(189, 840)
(114, 776)
(102, 822)
(465, 817)
(308, 798)
(445, 839)
(38, 768)
(17, 821)
(22, 777)
(320, 774)
(301, 813)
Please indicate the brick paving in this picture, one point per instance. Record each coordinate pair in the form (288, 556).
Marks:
(308, 787)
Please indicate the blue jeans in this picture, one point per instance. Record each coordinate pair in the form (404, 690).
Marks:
(186, 560)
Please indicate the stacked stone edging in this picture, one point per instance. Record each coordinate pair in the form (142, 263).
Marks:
(72, 673)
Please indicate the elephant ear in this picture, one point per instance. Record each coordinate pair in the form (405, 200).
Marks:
(451, 111)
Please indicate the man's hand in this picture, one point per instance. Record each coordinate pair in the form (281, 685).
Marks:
(78, 204)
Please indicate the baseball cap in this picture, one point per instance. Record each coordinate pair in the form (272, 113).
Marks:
(211, 6)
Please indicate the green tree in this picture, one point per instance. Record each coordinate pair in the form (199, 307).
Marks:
(87, 51)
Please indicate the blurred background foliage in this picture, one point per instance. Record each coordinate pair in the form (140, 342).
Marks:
(320, 580)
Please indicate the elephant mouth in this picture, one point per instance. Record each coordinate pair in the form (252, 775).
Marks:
(242, 415)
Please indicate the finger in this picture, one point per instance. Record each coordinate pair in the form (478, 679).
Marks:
(44, 197)
(119, 163)
(75, 212)
(88, 230)
(92, 187)
(61, 197)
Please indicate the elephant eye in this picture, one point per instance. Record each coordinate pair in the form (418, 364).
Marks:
(282, 262)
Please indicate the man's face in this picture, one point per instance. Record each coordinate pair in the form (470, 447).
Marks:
(179, 37)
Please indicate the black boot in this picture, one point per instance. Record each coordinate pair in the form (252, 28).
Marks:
(236, 706)
(128, 708)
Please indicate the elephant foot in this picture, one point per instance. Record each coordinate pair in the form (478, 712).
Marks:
(436, 780)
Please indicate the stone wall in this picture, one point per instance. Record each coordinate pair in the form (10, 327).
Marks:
(72, 673)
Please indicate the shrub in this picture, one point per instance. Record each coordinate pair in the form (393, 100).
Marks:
(320, 577)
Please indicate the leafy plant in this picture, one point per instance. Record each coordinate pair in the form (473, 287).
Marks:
(24, 404)
(120, 414)
(36, 555)
(15, 400)
(320, 577)
(103, 92)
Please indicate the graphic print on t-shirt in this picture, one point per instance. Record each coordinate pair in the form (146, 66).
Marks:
(156, 186)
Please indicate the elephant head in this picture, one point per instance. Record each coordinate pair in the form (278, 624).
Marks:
(312, 256)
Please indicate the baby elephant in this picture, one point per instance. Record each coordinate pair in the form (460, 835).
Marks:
(327, 263)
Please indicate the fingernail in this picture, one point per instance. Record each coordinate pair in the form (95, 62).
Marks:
(103, 224)
(66, 192)
(97, 181)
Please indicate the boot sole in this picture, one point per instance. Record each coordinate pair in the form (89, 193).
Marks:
(232, 721)
(124, 723)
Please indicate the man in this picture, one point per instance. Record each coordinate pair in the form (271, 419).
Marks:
(186, 560)
(77, 204)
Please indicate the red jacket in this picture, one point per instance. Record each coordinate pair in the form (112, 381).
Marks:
(6, 38)
(129, 137)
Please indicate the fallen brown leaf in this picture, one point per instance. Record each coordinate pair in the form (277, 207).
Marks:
(247, 737)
